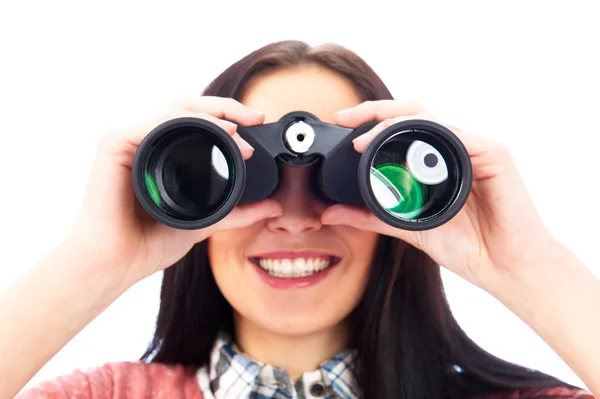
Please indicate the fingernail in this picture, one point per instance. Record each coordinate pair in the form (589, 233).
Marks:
(342, 112)
(247, 146)
(275, 213)
(368, 135)
(257, 111)
(360, 138)
(330, 217)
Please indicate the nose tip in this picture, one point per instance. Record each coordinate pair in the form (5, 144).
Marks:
(294, 224)
(299, 216)
(301, 209)
(293, 228)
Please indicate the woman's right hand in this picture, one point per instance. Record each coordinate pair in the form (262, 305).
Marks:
(117, 232)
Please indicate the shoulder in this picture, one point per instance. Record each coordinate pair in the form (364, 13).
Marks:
(542, 393)
(115, 380)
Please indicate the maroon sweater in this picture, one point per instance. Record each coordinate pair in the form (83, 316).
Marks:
(132, 380)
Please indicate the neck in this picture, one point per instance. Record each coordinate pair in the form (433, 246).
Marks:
(296, 354)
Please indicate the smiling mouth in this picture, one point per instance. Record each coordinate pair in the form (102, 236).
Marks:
(298, 267)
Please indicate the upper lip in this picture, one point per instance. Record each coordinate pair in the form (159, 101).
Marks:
(305, 253)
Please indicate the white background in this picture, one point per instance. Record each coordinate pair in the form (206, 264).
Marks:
(524, 73)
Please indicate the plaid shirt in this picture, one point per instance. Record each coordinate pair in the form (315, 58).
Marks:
(231, 374)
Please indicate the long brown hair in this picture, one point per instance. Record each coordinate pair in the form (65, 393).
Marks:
(409, 344)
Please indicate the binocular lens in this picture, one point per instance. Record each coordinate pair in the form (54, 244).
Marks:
(189, 173)
(413, 175)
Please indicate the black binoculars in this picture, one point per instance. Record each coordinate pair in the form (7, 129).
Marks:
(188, 173)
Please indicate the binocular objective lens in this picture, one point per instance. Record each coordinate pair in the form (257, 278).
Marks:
(189, 175)
(410, 177)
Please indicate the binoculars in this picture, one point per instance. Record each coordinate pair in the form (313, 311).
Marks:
(188, 173)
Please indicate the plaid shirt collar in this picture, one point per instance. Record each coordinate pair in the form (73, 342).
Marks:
(231, 374)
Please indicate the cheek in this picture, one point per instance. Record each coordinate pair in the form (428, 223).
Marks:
(363, 243)
(218, 251)
(226, 257)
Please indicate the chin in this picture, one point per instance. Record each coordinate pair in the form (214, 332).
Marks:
(294, 328)
(295, 322)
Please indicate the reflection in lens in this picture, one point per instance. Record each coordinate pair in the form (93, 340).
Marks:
(426, 163)
(219, 162)
(413, 175)
(396, 190)
(188, 175)
(152, 189)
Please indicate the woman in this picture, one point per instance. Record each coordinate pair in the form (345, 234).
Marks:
(375, 324)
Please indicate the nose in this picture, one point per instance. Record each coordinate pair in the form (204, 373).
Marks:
(301, 208)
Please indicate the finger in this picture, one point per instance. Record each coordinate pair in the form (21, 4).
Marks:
(133, 136)
(246, 149)
(362, 141)
(230, 127)
(244, 215)
(362, 219)
(224, 108)
(369, 111)
(475, 145)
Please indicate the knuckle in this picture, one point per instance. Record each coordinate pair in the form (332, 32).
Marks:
(195, 104)
(206, 116)
(108, 142)
(388, 122)
(171, 114)
(229, 103)
(416, 105)
(500, 148)
(182, 103)
(501, 151)
(232, 101)
(426, 115)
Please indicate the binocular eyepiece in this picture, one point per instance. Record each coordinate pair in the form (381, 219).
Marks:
(188, 173)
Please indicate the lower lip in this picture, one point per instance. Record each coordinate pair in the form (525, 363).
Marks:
(298, 282)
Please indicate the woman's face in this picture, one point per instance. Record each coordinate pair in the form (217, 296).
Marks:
(291, 274)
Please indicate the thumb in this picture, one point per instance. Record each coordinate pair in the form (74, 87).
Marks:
(363, 219)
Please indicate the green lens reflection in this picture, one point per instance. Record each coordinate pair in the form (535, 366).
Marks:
(152, 189)
(397, 190)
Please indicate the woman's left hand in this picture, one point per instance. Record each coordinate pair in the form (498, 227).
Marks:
(497, 234)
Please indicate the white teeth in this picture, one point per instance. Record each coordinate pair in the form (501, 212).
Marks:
(286, 266)
(300, 268)
(293, 268)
